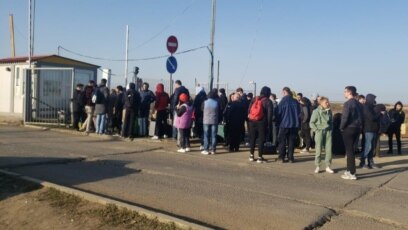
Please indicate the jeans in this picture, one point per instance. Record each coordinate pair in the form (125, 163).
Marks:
(89, 118)
(350, 136)
(128, 123)
(369, 148)
(142, 121)
(210, 133)
(100, 123)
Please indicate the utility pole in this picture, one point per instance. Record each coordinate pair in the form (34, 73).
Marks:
(127, 52)
(29, 32)
(12, 44)
(211, 49)
(218, 75)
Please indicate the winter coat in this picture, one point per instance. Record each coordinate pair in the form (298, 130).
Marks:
(146, 98)
(371, 121)
(102, 102)
(267, 111)
(288, 113)
(162, 98)
(352, 115)
(211, 112)
(184, 114)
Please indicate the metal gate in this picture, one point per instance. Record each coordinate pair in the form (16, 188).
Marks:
(48, 95)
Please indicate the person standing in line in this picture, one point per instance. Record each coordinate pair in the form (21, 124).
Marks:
(321, 123)
(260, 114)
(162, 102)
(146, 98)
(184, 113)
(78, 106)
(89, 107)
(234, 118)
(305, 114)
(274, 133)
(397, 117)
(174, 101)
(211, 118)
(351, 125)
(371, 128)
(288, 118)
(101, 105)
(113, 97)
(362, 99)
(199, 99)
(118, 110)
(131, 105)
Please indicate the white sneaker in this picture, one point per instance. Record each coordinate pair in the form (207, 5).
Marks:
(317, 169)
(155, 138)
(164, 136)
(348, 176)
(212, 152)
(304, 151)
(205, 152)
(188, 149)
(181, 150)
(251, 158)
(329, 170)
(201, 147)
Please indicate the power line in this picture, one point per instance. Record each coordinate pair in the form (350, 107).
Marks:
(165, 27)
(260, 12)
(131, 60)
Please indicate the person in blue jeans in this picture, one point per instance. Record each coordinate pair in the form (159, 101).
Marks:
(101, 95)
(371, 129)
(211, 117)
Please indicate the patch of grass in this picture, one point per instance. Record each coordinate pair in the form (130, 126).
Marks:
(109, 215)
(120, 217)
(61, 200)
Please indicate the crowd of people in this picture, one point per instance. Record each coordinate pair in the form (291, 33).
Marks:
(261, 121)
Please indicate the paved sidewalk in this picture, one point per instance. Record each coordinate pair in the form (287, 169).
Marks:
(224, 190)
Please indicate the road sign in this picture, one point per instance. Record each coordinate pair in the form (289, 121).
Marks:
(172, 44)
(171, 64)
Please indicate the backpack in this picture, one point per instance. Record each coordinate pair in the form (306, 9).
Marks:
(256, 113)
(385, 122)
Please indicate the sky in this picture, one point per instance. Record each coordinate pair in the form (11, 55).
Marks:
(314, 46)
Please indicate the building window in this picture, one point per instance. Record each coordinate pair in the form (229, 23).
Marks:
(17, 76)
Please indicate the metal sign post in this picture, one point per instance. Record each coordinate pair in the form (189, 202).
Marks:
(171, 63)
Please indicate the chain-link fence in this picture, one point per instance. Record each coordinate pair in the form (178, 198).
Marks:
(49, 92)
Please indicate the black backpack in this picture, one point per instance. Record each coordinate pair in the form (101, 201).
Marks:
(385, 122)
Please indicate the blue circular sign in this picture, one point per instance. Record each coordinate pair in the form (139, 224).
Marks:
(171, 64)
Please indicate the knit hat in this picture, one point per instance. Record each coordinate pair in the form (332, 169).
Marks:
(183, 97)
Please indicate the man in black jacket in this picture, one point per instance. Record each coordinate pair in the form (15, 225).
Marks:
(351, 124)
(397, 117)
(132, 103)
(371, 128)
(78, 106)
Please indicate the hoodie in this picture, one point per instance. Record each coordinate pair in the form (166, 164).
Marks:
(371, 117)
(162, 98)
(397, 116)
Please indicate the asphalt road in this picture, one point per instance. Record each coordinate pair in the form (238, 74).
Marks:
(222, 191)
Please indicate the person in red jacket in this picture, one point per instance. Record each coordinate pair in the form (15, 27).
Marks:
(162, 102)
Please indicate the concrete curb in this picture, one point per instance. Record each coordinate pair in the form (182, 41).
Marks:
(105, 201)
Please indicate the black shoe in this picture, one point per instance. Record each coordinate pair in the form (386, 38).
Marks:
(292, 161)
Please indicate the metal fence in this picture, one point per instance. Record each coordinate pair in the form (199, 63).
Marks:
(48, 94)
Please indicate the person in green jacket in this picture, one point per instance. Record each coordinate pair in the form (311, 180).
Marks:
(321, 123)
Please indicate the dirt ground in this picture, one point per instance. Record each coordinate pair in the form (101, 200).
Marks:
(28, 206)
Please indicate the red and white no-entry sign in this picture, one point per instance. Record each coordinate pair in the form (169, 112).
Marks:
(172, 44)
